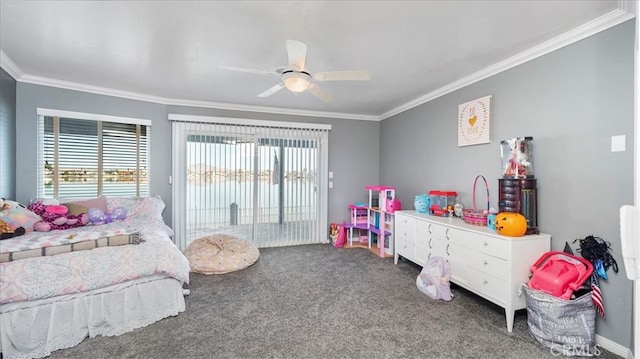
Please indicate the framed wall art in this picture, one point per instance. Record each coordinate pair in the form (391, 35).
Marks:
(474, 122)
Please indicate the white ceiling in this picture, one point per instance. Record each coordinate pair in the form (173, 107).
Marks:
(169, 51)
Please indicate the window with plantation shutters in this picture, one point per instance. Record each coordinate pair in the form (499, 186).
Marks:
(87, 155)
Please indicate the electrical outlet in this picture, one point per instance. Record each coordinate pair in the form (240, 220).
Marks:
(618, 143)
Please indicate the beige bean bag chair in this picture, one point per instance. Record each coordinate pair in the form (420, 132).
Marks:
(220, 253)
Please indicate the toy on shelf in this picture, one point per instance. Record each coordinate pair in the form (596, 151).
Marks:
(372, 222)
(442, 202)
(517, 158)
(422, 203)
(359, 219)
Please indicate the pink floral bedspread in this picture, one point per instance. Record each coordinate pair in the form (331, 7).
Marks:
(74, 272)
(55, 238)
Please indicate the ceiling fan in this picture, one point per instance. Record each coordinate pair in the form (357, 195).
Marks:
(297, 79)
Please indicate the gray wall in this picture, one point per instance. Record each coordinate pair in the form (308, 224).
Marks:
(353, 145)
(571, 101)
(7, 135)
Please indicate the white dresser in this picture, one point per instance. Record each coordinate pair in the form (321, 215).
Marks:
(482, 261)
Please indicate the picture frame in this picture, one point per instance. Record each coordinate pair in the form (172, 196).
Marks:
(474, 122)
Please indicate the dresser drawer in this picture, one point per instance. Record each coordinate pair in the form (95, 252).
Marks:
(490, 287)
(493, 266)
(422, 239)
(438, 231)
(405, 247)
(422, 229)
(489, 245)
(405, 226)
(422, 255)
(508, 203)
(508, 197)
(404, 233)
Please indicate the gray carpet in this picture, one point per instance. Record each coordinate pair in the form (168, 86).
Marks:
(315, 301)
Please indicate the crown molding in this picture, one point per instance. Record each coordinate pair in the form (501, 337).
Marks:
(629, 6)
(275, 110)
(595, 26)
(9, 66)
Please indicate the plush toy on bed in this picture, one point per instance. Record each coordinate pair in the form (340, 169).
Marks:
(15, 219)
(98, 216)
(7, 232)
(55, 216)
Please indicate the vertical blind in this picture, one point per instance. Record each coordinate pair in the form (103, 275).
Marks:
(90, 155)
(264, 181)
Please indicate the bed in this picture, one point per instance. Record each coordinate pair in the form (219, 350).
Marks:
(53, 300)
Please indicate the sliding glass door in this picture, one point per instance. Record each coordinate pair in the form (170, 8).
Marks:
(258, 181)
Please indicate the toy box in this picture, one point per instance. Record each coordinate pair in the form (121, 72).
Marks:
(442, 202)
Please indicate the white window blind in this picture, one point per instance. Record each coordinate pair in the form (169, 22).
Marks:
(264, 181)
(84, 156)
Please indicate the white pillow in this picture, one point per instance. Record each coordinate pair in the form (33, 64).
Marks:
(139, 208)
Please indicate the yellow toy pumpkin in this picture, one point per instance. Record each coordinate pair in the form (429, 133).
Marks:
(511, 224)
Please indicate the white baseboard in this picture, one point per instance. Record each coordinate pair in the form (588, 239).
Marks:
(614, 347)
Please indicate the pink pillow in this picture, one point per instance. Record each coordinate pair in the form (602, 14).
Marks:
(99, 203)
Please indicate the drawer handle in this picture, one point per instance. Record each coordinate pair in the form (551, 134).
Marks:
(430, 239)
(485, 263)
(485, 282)
(429, 228)
(486, 244)
(447, 250)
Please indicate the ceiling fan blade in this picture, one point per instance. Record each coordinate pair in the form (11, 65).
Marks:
(251, 71)
(297, 52)
(318, 92)
(272, 90)
(358, 75)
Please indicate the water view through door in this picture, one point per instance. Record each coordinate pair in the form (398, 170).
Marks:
(261, 188)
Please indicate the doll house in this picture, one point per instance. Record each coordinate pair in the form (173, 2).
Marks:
(371, 224)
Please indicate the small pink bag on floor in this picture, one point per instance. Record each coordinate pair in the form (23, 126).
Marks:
(342, 237)
(433, 280)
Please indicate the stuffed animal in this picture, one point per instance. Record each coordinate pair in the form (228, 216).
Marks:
(55, 216)
(98, 216)
(7, 232)
(17, 218)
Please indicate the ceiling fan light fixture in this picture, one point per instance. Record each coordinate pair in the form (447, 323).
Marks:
(296, 81)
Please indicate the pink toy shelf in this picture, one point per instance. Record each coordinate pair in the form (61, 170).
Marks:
(359, 220)
(372, 222)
